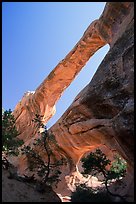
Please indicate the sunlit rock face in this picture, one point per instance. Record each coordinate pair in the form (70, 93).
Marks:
(102, 113)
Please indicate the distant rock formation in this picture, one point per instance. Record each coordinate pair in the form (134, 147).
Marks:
(102, 113)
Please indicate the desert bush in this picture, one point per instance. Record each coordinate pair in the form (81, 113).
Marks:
(94, 164)
(87, 194)
(47, 171)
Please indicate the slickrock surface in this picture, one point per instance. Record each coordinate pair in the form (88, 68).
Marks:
(17, 191)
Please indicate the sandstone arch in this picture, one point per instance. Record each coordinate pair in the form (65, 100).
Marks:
(102, 113)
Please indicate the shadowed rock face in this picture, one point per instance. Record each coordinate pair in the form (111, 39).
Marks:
(102, 113)
(17, 191)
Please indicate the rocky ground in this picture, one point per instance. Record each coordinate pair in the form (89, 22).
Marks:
(17, 191)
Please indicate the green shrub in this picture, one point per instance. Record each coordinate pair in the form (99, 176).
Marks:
(97, 163)
(47, 171)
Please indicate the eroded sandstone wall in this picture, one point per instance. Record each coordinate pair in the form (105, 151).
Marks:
(103, 112)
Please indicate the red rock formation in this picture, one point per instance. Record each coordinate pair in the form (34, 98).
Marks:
(99, 113)
(102, 113)
(43, 100)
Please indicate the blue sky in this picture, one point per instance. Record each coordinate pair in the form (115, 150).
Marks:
(35, 37)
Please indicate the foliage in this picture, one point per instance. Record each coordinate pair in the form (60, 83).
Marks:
(48, 172)
(87, 194)
(97, 162)
(10, 142)
(118, 168)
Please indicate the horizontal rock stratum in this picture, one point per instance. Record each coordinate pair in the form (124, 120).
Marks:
(102, 113)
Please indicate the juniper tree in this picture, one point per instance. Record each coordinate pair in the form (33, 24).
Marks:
(96, 163)
(49, 172)
(10, 142)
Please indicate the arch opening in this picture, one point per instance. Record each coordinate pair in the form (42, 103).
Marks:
(83, 78)
(96, 181)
